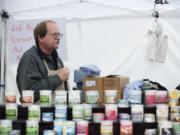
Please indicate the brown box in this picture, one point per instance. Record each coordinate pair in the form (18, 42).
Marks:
(124, 80)
(93, 83)
(115, 82)
(101, 96)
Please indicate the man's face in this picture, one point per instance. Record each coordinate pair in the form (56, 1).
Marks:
(51, 40)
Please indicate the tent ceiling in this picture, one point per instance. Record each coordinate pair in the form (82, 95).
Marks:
(80, 8)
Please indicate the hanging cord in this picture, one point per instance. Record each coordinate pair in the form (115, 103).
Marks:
(155, 12)
(4, 15)
(156, 2)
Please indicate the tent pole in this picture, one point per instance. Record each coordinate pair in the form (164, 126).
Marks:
(3, 37)
(2, 86)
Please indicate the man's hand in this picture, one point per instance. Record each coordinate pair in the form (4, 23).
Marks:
(64, 74)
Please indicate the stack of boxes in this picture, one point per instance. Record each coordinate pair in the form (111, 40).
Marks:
(112, 82)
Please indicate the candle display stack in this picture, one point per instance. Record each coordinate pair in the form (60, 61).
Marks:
(142, 112)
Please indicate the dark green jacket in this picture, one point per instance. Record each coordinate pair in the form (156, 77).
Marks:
(32, 73)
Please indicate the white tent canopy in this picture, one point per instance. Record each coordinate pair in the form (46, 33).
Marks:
(111, 34)
(81, 8)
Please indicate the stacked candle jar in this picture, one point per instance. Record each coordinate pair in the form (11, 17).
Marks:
(174, 110)
(45, 97)
(10, 97)
(32, 127)
(153, 97)
(106, 127)
(11, 111)
(82, 112)
(5, 127)
(60, 97)
(27, 97)
(135, 96)
(61, 112)
(111, 112)
(137, 112)
(11, 106)
(74, 97)
(110, 96)
(125, 113)
(82, 127)
(92, 97)
(174, 97)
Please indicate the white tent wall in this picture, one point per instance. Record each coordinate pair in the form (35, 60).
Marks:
(111, 35)
(118, 46)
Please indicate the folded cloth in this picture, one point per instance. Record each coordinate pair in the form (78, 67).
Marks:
(136, 85)
(90, 69)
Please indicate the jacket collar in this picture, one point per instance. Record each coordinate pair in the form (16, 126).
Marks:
(44, 55)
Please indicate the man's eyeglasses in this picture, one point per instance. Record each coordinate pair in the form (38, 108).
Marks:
(55, 35)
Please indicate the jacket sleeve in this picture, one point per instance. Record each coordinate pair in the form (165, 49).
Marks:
(31, 76)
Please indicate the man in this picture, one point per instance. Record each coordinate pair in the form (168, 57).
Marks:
(40, 67)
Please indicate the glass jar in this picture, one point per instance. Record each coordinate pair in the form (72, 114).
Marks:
(61, 112)
(45, 97)
(82, 127)
(165, 127)
(69, 128)
(27, 97)
(48, 132)
(60, 97)
(92, 96)
(110, 96)
(150, 96)
(150, 132)
(149, 118)
(98, 117)
(126, 127)
(106, 127)
(34, 112)
(137, 113)
(47, 116)
(58, 127)
(11, 111)
(87, 111)
(32, 127)
(162, 112)
(5, 127)
(161, 96)
(74, 97)
(10, 97)
(111, 112)
(78, 112)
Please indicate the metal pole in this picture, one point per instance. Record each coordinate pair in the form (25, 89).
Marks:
(3, 35)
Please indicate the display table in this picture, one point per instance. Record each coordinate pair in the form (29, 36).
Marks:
(94, 128)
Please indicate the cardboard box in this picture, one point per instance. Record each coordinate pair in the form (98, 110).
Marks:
(115, 82)
(101, 96)
(124, 80)
(93, 83)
